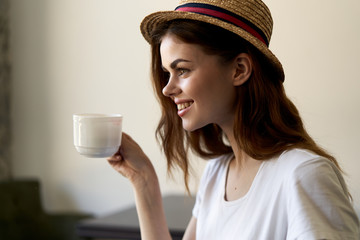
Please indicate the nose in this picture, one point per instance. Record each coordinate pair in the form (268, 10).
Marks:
(171, 89)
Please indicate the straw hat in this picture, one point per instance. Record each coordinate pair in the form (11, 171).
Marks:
(250, 19)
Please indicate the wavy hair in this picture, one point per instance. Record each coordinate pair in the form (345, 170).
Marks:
(266, 121)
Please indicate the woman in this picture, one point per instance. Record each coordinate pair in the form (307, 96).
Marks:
(222, 96)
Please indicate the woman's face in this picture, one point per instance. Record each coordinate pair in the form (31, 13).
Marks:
(199, 84)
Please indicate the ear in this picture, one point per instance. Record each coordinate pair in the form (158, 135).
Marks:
(242, 69)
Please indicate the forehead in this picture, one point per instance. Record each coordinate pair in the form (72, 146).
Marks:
(172, 47)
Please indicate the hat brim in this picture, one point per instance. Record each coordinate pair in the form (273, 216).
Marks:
(151, 21)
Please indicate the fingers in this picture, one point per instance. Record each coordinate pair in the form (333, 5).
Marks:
(115, 158)
(129, 159)
(118, 155)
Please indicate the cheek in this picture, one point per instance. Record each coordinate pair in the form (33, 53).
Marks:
(209, 88)
(211, 98)
(220, 98)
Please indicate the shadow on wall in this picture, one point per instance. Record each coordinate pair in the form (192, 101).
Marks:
(5, 135)
(30, 80)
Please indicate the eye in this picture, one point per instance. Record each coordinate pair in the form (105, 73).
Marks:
(182, 71)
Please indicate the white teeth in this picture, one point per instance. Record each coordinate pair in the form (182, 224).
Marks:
(182, 106)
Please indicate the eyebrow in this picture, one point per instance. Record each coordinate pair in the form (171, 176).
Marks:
(176, 62)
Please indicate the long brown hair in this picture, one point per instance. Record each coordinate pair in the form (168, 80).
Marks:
(266, 121)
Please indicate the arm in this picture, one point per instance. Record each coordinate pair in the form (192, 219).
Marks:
(150, 210)
(132, 163)
(190, 233)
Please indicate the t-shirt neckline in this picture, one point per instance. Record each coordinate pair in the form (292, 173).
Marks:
(223, 183)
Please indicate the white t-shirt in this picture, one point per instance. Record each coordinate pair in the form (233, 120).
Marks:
(298, 195)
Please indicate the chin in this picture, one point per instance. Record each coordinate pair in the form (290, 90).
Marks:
(190, 127)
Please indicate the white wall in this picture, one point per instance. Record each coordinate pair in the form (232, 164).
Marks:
(73, 56)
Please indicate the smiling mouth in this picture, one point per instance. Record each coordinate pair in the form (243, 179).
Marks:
(182, 106)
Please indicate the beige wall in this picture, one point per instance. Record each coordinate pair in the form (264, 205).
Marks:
(73, 56)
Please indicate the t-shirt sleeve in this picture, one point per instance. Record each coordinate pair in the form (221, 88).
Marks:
(318, 204)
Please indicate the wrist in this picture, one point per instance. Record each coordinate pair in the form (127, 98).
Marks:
(145, 180)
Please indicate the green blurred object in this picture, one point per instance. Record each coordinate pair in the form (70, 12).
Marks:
(23, 218)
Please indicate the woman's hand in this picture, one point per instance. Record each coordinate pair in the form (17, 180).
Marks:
(132, 162)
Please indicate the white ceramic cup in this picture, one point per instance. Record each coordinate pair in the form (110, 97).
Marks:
(97, 135)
